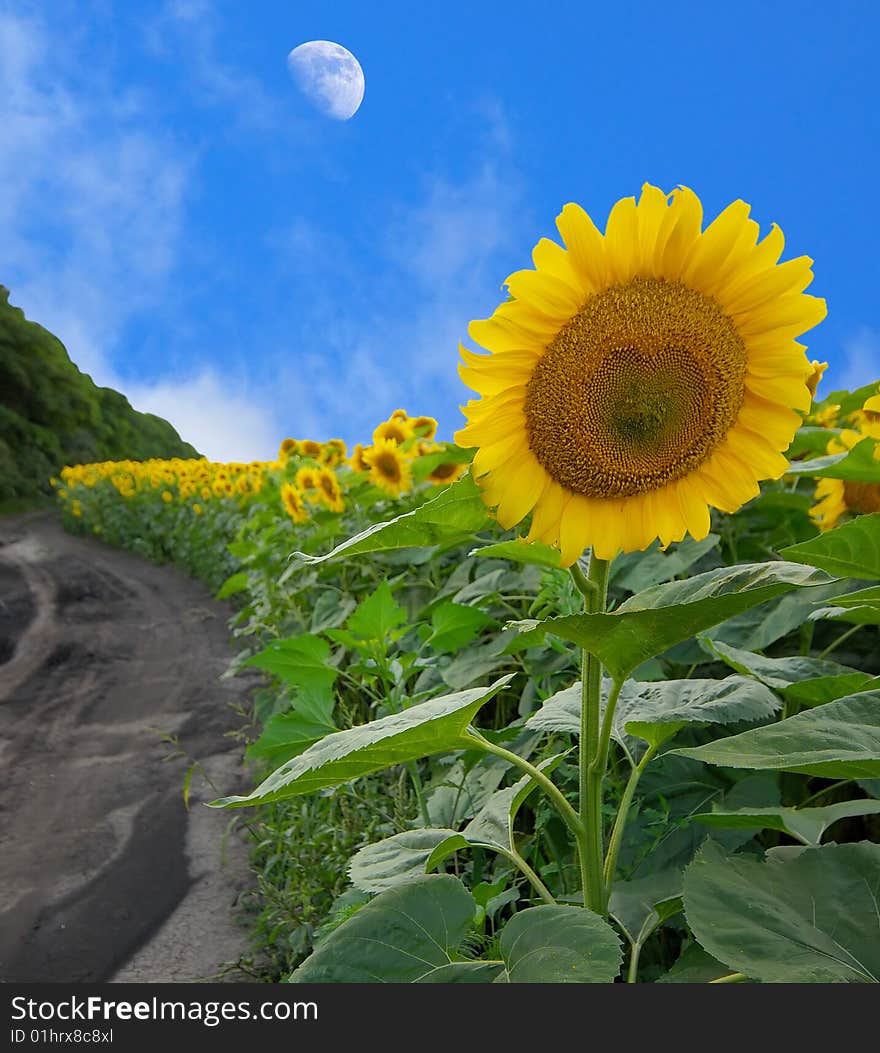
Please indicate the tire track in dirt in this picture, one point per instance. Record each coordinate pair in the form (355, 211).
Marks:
(99, 854)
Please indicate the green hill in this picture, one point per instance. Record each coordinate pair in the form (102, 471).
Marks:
(51, 414)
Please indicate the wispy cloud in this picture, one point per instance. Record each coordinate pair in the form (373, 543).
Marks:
(92, 219)
(91, 210)
(186, 31)
(860, 361)
(220, 416)
(374, 342)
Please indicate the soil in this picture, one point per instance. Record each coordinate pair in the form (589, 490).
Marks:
(106, 662)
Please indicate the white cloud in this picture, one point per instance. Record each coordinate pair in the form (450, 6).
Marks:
(373, 342)
(860, 363)
(186, 31)
(222, 419)
(92, 205)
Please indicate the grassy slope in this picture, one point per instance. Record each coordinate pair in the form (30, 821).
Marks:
(51, 414)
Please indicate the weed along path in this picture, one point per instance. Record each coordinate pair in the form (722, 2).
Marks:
(104, 874)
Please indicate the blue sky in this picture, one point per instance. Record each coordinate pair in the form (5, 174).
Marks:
(203, 240)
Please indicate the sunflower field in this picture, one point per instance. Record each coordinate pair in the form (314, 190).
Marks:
(592, 694)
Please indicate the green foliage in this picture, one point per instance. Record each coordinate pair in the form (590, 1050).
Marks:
(807, 917)
(566, 945)
(806, 825)
(404, 833)
(654, 620)
(850, 551)
(432, 727)
(411, 934)
(840, 740)
(52, 415)
(643, 708)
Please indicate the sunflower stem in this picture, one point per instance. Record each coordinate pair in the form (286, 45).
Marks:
(616, 838)
(591, 845)
(582, 583)
(840, 639)
(568, 814)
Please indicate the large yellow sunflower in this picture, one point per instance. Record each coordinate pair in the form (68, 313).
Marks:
(639, 377)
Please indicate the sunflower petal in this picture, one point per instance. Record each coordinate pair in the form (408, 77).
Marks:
(621, 241)
(544, 293)
(678, 233)
(584, 244)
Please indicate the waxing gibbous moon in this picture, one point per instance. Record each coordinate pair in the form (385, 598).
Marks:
(329, 76)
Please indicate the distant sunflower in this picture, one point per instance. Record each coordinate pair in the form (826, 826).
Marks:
(288, 448)
(836, 497)
(867, 419)
(357, 461)
(395, 429)
(294, 505)
(424, 427)
(639, 377)
(329, 489)
(389, 469)
(310, 448)
(307, 478)
(446, 473)
(334, 452)
(817, 374)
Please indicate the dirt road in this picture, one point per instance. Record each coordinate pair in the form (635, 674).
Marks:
(104, 875)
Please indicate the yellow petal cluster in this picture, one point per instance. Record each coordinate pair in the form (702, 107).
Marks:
(638, 377)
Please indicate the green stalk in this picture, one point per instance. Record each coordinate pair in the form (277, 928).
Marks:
(591, 840)
(620, 821)
(518, 861)
(633, 971)
(840, 639)
(476, 741)
(412, 768)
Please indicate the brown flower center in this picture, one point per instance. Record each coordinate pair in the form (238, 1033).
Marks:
(636, 390)
(388, 466)
(862, 497)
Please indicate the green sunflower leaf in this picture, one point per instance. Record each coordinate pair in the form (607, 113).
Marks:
(806, 825)
(652, 621)
(534, 552)
(395, 860)
(454, 626)
(303, 662)
(286, 735)
(639, 906)
(410, 934)
(552, 944)
(493, 825)
(454, 515)
(648, 709)
(849, 551)
(839, 740)
(641, 570)
(378, 617)
(236, 583)
(435, 726)
(811, 917)
(807, 681)
(858, 465)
